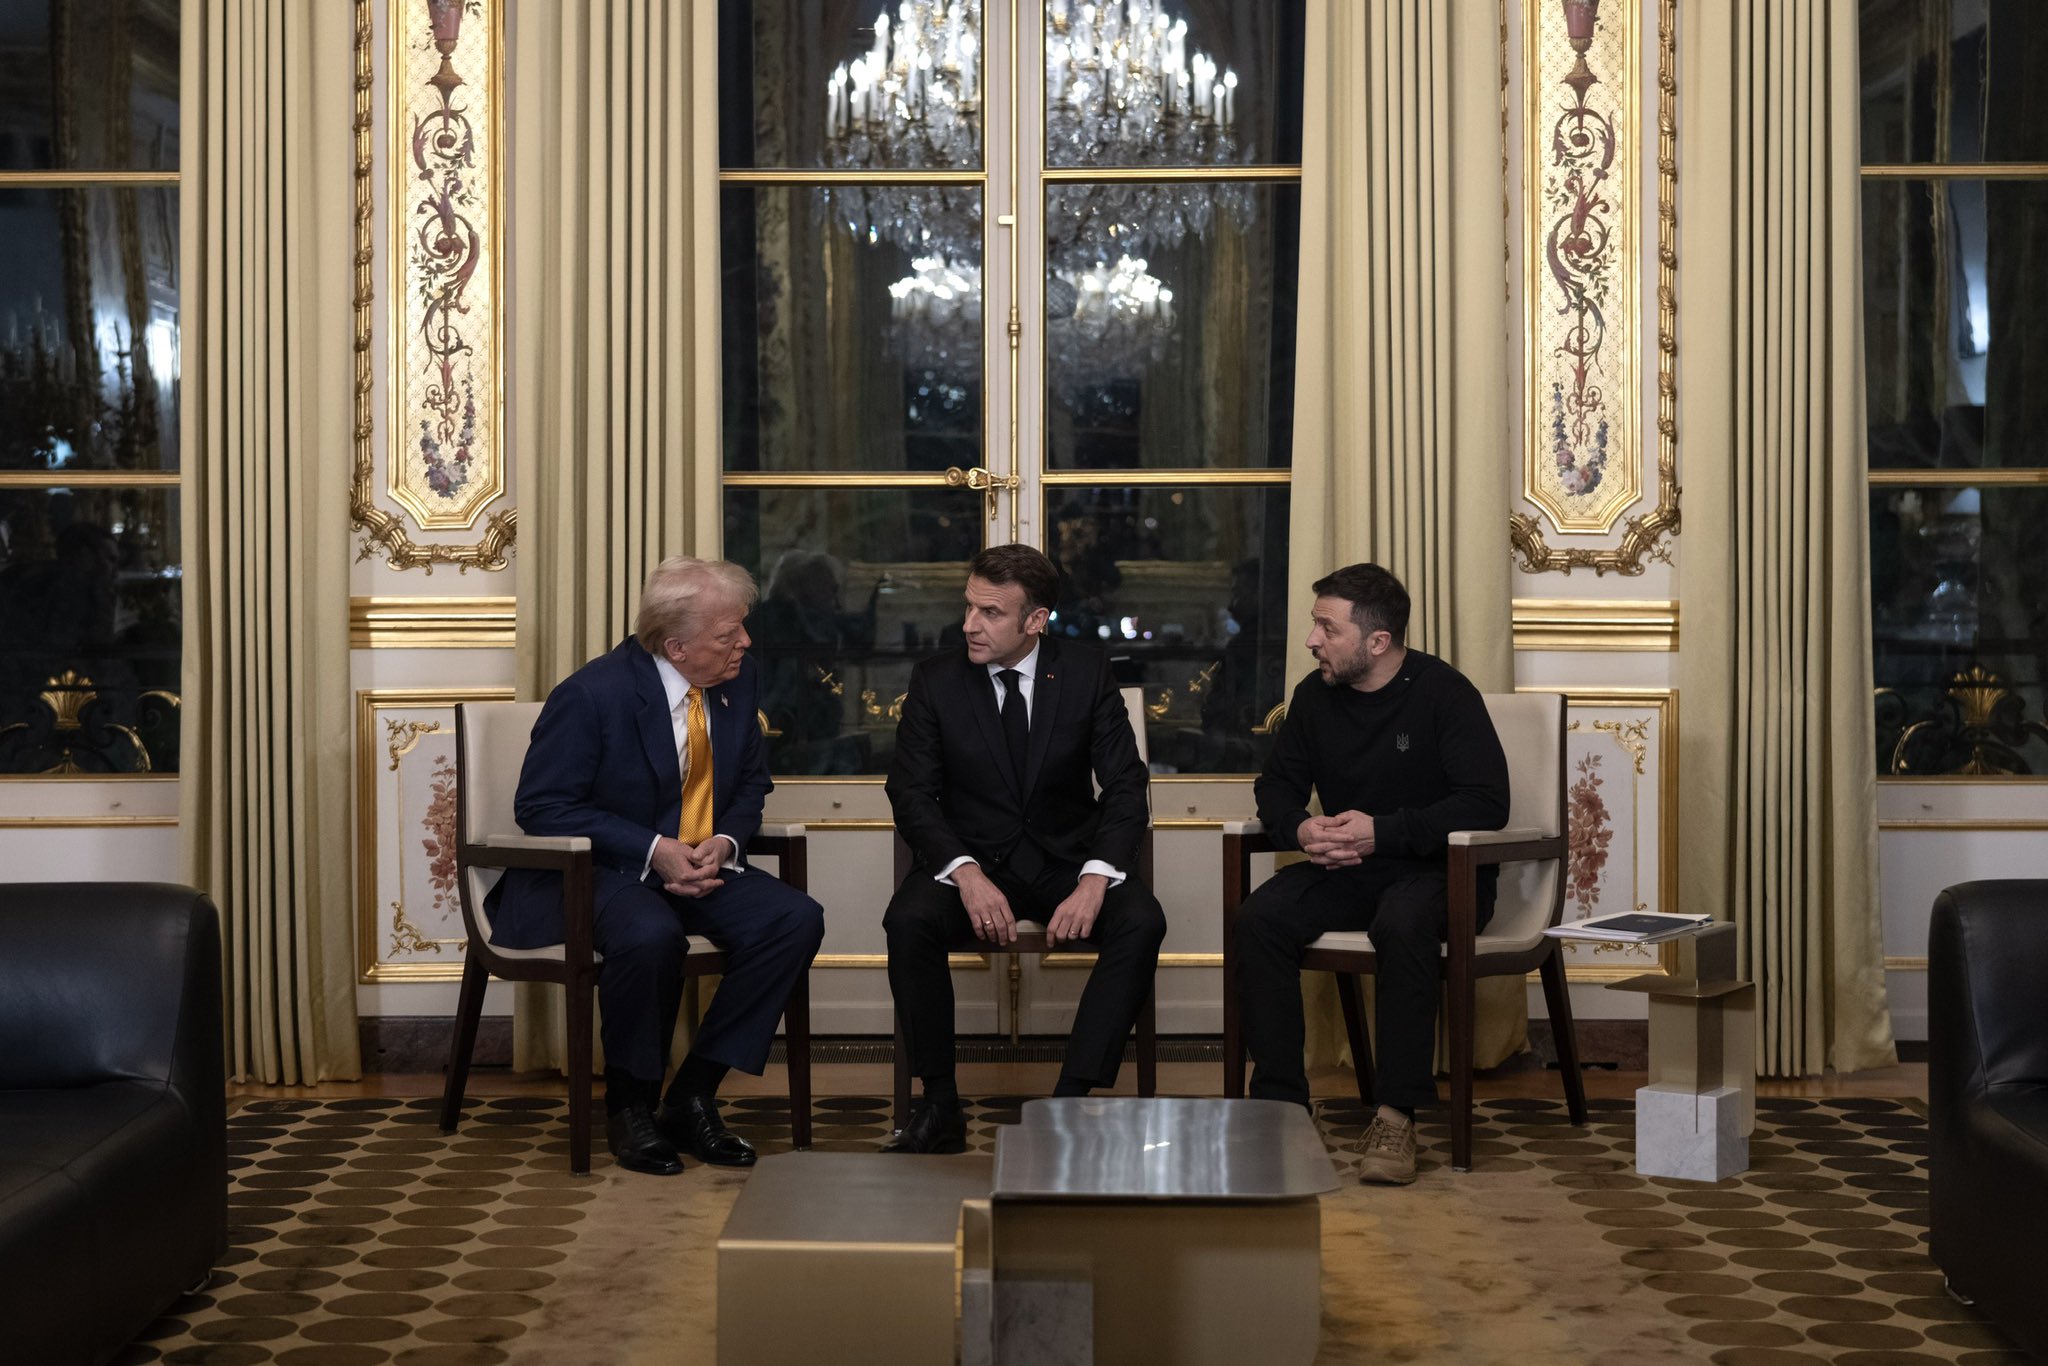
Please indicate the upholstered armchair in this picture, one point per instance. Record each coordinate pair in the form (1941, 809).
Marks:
(1530, 852)
(490, 747)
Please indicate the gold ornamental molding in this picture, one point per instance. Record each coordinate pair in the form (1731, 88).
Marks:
(385, 532)
(1643, 535)
(383, 623)
(1594, 624)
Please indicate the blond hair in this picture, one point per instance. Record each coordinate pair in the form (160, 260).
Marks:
(684, 593)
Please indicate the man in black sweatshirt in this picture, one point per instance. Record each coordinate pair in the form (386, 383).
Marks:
(1398, 746)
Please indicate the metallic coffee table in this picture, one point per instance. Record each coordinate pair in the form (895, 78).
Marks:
(1183, 1231)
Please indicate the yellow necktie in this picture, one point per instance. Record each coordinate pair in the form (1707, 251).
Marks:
(697, 816)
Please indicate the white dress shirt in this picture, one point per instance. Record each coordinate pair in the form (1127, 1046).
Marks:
(678, 690)
(1027, 681)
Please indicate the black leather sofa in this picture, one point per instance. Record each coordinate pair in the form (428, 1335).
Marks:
(1987, 1078)
(113, 1112)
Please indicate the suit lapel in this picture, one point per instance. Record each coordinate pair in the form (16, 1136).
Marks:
(981, 701)
(657, 731)
(1045, 700)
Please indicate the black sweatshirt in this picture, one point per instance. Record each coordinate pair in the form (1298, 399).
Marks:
(1419, 756)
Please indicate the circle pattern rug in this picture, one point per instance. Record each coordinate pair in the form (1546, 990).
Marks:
(361, 1234)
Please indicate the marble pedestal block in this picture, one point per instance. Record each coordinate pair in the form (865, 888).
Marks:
(1691, 1135)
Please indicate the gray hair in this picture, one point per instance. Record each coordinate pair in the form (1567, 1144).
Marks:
(684, 592)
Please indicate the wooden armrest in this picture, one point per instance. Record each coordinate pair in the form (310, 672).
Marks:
(1479, 848)
(786, 841)
(1513, 836)
(1247, 827)
(559, 853)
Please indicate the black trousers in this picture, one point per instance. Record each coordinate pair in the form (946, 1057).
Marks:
(926, 921)
(1407, 912)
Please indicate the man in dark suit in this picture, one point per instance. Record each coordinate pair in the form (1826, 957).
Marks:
(654, 753)
(991, 790)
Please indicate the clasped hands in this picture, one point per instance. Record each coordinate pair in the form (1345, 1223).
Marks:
(988, 910)
(1341, 841)
(690, 870)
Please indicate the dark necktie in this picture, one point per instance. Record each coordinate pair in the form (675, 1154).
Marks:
(1016, 725)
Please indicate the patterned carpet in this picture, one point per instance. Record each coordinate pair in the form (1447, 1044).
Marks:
(362, 1235)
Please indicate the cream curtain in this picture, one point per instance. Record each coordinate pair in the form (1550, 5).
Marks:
(267, 243)
(1779, 800)
(613, 316)
(1400, 413)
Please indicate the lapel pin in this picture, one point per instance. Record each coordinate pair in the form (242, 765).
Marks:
(723, 700)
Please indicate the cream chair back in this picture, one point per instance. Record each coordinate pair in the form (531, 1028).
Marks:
(1531, 895)
(492, 750)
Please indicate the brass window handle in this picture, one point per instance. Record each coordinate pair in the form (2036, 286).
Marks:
(979, 478)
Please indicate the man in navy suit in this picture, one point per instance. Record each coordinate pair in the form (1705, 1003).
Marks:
(992, 791)
(620, 755)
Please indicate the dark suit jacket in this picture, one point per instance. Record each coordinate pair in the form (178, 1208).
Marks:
(603, 763)
(952, 784)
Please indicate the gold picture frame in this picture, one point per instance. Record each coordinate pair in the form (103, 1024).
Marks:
(385, 532)
(409, 924)
(1550, 25)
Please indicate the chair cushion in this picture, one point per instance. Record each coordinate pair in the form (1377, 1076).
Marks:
(1359, 941)
(693, 946)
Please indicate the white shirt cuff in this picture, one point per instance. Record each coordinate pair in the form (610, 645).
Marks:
(1096, 865)
(648, 866)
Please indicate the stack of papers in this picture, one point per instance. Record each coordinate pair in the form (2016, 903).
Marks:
(1634, 927)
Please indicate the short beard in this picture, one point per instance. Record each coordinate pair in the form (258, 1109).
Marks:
(1346, 677)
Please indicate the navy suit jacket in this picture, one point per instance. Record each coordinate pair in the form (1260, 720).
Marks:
(602, 763)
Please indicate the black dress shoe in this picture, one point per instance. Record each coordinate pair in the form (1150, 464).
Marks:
(635, 1140)
(695, 1127)
(933, 1128)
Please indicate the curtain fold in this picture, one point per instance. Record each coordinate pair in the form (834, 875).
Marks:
(266, 258)
(613, 308)
(1779, 803)
(1401, 451)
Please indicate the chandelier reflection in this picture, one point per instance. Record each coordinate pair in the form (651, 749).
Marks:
(1099, 320)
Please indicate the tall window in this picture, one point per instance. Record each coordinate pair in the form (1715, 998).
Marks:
(1011, 271)
(1955, 237)
(89, 562)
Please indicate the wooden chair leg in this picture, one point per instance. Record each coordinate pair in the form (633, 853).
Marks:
(469, 1006)
(796, 1047)
(1459, 1006)
(1350, 998)
(1148, 1046)
(1557, 996)
(902, 1052)
(577, 1005)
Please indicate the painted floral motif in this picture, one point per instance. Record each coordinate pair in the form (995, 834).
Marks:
(1591, 831)
(439, 837)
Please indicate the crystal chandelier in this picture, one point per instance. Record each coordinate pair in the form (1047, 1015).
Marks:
(911, 101)
(1123, 88)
